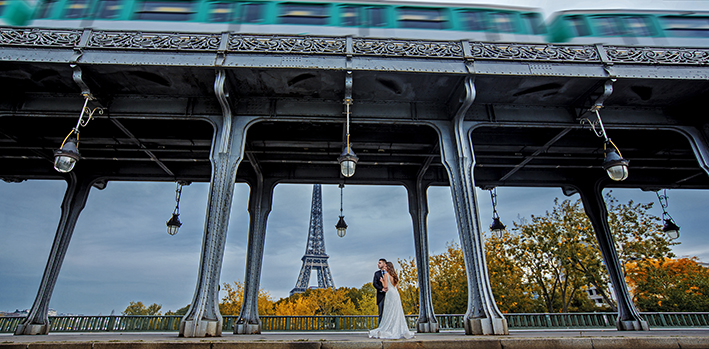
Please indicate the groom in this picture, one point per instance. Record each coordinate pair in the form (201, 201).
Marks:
(377, 282)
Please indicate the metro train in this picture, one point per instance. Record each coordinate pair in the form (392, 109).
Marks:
(362, 18)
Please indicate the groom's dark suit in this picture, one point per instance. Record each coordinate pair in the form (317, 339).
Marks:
(380, 292)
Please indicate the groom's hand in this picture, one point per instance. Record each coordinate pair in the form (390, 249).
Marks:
(384, 289)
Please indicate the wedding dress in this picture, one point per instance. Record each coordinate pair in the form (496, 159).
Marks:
(393, 324)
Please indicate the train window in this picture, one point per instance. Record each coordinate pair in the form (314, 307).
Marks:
(637, 26)
(421, 18)
(606, 26)
(349, 16)
(376, 17)
(578, 26)
(2, 7)
(473, 20)
(45, 8)
(533, 23)
(316, 14)
(502, 22)
(695, 27)
(76, 8)
(109, 9)
(166, 10)
(221, 11)
(252, 13)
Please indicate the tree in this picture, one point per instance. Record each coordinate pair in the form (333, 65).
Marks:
(138, 308)
(667, 284)
(234, 297)
(330, 301)
(181, 311)
(507, 280)
(560, 255)
(408, 286)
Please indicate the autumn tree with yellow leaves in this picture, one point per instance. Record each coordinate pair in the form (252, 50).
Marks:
(234, 297)
(666, 284)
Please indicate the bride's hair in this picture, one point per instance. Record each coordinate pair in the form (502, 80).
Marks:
(390, 270)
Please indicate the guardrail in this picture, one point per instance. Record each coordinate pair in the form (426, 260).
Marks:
(170, 323)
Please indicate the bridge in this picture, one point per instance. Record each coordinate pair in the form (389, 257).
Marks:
(227, 107)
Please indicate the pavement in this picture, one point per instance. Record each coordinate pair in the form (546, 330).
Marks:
(527, 339)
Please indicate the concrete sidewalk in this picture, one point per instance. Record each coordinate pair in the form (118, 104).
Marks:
(528, 339)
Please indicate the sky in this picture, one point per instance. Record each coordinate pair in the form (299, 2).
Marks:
(120, 251)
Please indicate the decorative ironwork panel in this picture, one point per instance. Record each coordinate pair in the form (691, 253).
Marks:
(286, 44)
(425, 49)
(155, 41)
(654, 55)
(39, 37)
(525, 52)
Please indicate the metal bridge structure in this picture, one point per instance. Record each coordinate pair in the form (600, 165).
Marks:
(268, 109)
(315, 256)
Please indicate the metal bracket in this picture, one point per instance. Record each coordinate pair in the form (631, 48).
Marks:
(607, 90)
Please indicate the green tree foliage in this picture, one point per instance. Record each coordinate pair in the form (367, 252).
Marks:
(138, 308)
(181, 311)
(560, 256)
(507, 279)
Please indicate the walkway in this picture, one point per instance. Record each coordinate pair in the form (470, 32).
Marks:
(527, 339)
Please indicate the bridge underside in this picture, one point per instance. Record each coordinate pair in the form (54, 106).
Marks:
(526, 128)
(193, 107)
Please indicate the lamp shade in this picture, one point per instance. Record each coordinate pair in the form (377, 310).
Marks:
(615, 166)
(671, 229)
(497, 227)
(174, 224)
(348, 162)
(341, 227)
(66, 157)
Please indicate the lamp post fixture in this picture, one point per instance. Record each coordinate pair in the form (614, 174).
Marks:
(496, 228)
(348, 159)
(341, 226)
(67, 155)
(613, 162)
(174, 224)
(669, 227)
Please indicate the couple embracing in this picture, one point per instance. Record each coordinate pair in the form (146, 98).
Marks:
(392, 324)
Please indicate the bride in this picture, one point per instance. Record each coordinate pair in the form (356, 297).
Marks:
(393, 324)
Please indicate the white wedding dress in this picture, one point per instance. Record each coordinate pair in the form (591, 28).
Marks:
(393, 324)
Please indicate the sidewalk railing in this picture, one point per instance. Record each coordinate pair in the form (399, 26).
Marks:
(171, 323)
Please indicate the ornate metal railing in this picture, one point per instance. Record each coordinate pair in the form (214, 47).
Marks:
(170, 323)
(315, 45)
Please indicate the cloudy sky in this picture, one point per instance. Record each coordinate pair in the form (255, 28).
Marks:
(120, 251)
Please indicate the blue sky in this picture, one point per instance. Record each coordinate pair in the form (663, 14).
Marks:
(120, 251)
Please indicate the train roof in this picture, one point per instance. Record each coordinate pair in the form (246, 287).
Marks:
(425, 4)
(626, 11)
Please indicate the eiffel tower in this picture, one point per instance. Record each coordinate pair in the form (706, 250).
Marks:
(315, 257)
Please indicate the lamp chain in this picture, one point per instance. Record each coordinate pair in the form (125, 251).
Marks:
(493, 197)
(342, 186)
(178, 195)
(663, 202)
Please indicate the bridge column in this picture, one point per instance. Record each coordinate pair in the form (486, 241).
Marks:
(482, 316)
(260, 200)
(77, 192)
(418, 208)
(592, 197)
(203, 318)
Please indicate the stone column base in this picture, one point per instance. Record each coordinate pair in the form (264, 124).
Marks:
(200, 328)
(486, 326)
(632, 325)
(246, 328)
(31, 329)
(427, 327)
